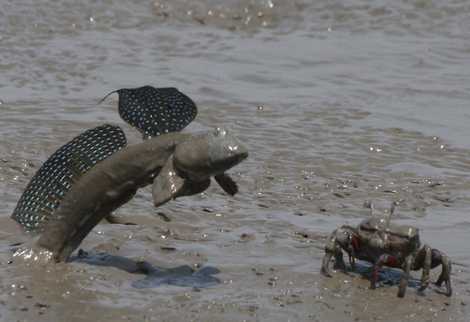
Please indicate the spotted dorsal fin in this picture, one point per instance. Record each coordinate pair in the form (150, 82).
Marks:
(154, 111)
(53, 180)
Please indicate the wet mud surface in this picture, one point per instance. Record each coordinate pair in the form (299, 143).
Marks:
(339, 105)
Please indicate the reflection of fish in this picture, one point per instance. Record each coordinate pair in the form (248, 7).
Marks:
(179, 164)
(52, 181)
(154, 111)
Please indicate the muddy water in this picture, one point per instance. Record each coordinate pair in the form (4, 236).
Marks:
(339, 104)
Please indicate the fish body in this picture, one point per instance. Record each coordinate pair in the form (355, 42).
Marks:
(115, 180)
(88, 178)
(101, 190)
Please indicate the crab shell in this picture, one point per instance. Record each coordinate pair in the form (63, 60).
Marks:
(398, 240)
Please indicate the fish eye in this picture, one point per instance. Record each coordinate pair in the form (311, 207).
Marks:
(220, 132)
(233, 148)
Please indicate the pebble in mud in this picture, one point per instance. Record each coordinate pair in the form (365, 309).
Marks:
(245, 237)
(183, 297)
(257, 272)
(302, 234)
(273, 281)
(168, 248)
(42, 305)
(288, 299)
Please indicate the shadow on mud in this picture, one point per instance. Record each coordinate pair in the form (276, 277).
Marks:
(391, 277)
(387, 275)
(183, 275)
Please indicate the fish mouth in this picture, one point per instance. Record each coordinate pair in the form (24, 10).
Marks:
(238, 157)
(230, 161)
(206, 170)
(241, 156)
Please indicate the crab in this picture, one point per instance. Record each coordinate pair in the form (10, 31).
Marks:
(382, 243)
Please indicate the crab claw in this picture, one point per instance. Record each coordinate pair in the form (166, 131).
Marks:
(325, 270)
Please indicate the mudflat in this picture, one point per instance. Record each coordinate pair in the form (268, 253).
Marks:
(338, 105)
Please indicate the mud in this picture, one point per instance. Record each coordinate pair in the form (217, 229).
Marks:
(339, 105)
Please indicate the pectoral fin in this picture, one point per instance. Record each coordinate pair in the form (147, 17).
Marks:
(170, 185)
(227, 183)
(167, 185)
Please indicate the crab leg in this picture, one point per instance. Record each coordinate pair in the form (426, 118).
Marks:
(375, 271)
(445, 274)
(426, 265)
(352, 261)
(339, 262)
(325, 269)
(405, 276)
(332, 248)
(384, 259)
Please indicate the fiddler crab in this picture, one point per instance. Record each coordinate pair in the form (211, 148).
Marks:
(380, 242)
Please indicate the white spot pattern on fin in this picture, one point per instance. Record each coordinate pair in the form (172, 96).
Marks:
(154, 111)
(55, 177)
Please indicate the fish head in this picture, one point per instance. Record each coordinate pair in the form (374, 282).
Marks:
(208, 154)
(194, 162)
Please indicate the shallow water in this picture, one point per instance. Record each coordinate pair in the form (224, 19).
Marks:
(338, 104)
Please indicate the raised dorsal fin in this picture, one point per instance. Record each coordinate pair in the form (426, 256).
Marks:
(64, 167)
(79, 163)
(154, 111)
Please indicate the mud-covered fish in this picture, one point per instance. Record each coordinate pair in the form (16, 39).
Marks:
(154, 111)
(177, 164)
(55, 177)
